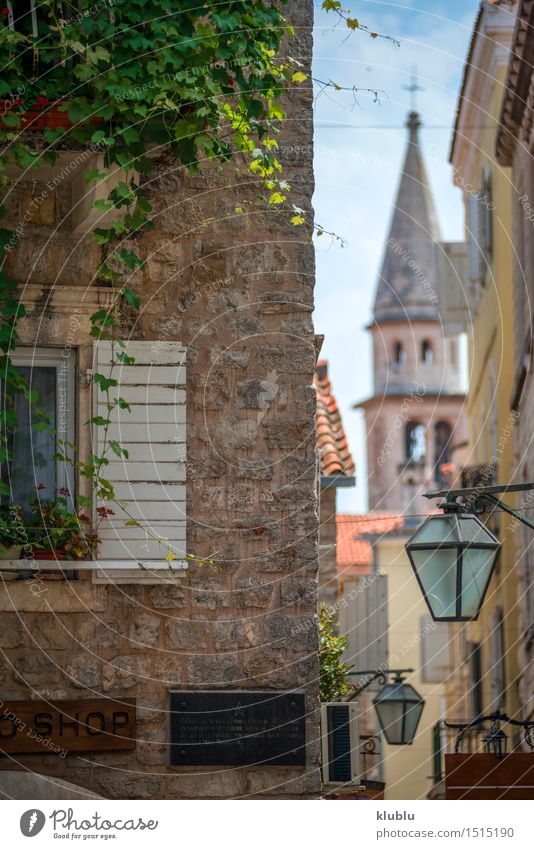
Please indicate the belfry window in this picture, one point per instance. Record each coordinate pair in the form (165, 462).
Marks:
(415, 442)
(427, 354)
(399, 354)
(442, 452)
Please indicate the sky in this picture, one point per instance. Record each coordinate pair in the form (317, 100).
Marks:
(359, 150)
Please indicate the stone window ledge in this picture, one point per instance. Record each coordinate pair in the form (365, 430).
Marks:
(106, 571)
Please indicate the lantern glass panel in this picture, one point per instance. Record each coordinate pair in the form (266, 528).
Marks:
(477, 564)
(413, 715)
(474, 531)
(436, 569)
(436, 529)
(391, 719)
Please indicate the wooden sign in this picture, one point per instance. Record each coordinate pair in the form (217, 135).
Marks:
(84, 725)
(484, 776)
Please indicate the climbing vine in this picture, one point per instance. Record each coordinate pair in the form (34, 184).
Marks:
(200, 81)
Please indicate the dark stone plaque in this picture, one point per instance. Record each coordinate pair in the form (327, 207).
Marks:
(237, 728)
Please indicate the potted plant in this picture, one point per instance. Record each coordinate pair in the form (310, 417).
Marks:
(58, 533)
(12, 536)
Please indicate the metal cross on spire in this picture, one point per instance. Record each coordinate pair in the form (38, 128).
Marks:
(413, 88)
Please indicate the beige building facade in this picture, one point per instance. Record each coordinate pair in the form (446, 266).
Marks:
(515, 145)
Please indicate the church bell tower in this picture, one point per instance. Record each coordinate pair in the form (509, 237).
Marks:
(415, 414)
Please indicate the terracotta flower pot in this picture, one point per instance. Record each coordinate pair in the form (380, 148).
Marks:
(37, 120)
(49, 555)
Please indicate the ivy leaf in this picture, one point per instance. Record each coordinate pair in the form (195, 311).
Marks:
(102, 205)
(117, 449)
(11, 119)
(299, 77)
(276, 198)
(99, 421)
(132, 298)
(104, 382)
(296, 220)
(95, 174)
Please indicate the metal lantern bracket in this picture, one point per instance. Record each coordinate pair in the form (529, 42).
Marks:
(380, 675)
(495, 719)
(477, 495)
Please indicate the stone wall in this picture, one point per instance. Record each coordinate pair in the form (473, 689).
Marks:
(237, 291)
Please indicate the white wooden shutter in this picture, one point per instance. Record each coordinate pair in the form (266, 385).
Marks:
(365, 622)
(150, 484)
(435, 650)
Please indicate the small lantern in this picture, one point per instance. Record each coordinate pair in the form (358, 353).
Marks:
(453, 556)
(399, 708)
(496, 741)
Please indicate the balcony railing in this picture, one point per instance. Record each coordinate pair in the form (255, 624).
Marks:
(444, 742)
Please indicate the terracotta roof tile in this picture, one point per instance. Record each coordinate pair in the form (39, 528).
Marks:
(334, 453)
(354, 553)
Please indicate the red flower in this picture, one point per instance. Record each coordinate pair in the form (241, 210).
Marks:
(41, 102)
(5, 11)
(41, 486)
(64, 491)
(105, 511)
(230, 81)
(83, 517)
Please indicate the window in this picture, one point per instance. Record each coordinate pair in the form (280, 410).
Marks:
(427, 354)
(486, 218)
(50, 374)
(364, 620)
(475, 694)
(442, 451)
(24, 19)
(453, 348)
(399, 354)
(496, 661)
(480, 230)
(415, 442)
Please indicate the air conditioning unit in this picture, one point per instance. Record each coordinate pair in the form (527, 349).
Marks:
(340, 743)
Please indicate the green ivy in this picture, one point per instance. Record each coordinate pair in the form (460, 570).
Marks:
(333, 672)
(198, 81)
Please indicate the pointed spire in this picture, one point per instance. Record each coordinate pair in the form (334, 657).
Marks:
(408, 285)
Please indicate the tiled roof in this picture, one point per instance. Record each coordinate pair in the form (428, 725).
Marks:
(354, 554)
(335, 457)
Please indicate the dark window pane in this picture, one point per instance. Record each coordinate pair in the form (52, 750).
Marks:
(32, 450)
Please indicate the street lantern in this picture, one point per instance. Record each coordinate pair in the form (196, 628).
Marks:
(495, 741)
(453, 556)
(398, 707)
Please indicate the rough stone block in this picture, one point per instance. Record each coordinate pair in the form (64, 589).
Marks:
(12, 631)
(144, 631)
(186, 634)
(84, 671)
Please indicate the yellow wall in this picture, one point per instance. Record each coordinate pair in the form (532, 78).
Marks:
(491, 357)
(407, 769)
